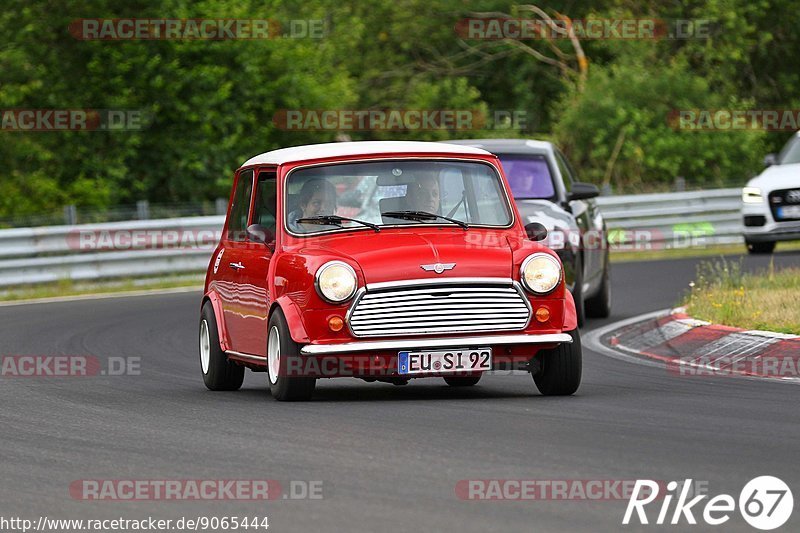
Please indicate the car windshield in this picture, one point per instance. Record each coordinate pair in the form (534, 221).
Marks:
(791, 152)
(469, 193)
(528, 175)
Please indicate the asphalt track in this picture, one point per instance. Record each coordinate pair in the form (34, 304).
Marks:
(389, 457)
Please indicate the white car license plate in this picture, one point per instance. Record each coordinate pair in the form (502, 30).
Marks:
(445, 361)
(789, 211)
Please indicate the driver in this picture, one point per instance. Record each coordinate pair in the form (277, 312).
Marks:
(317, 197)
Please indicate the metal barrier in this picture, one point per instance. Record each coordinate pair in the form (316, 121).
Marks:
(675, 220)
(184, 245)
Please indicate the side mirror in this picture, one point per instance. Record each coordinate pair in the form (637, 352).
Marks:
(770, 159)
(535, 231)
(260, 234)
(583, 191)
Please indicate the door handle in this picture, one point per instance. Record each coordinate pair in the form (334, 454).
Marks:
(236, 266)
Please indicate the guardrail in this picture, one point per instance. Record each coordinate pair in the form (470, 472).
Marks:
(675, 220)
(184, 245)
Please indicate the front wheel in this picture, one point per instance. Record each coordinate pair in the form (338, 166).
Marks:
(219, 373)
(283, 359)
(599, 305)
(760, 247)
(561, 367)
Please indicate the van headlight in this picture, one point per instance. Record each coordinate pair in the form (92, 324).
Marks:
(336, 282)
(540, 273)
(752, 195)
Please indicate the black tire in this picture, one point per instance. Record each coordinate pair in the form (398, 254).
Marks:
(758, 248)
(462, 381)
(577, 293)
(219, 372)
(561, 368)
(599, 305)
(283, 387)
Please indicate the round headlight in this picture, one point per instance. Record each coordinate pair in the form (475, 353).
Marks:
(336, 281)
(540, 273)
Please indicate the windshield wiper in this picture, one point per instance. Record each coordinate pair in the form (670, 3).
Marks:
(423, 215)
(335, 220)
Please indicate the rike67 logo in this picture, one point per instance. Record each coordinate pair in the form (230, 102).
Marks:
(765, 503)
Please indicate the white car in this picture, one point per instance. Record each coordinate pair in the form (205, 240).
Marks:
(771, 201)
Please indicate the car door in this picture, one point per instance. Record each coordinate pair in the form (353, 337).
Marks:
(231, 265)
(586, 215)
(253, 282)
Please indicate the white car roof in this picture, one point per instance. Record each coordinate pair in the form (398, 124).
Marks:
(343, 149)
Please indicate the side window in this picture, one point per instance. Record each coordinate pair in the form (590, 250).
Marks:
(266, 208)
(566, 171)
(237, 220)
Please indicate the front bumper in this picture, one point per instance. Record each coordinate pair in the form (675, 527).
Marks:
(771, 230)
(428, 343)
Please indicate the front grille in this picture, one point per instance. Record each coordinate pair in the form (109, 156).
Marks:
(786, 197)
(439, 308)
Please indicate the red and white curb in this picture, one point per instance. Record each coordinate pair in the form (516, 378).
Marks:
(688, 347)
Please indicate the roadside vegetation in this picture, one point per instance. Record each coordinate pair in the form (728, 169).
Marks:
(209, 105)
(627, 256)
(766, 300)
(68, 288)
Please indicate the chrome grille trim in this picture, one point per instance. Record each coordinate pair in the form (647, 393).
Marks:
(449, 305)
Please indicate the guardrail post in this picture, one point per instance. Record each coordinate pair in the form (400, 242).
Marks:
(143, 210)
(222, 206)
(70, 215)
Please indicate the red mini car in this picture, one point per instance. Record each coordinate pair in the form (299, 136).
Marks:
(433, 274)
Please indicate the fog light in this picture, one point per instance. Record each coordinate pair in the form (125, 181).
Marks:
(543, 314)
(335, 323)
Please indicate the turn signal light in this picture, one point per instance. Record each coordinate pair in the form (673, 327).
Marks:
(335, 323)
(543, 314)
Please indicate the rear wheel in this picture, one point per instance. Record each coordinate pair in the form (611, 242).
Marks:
(561, 368)
(761, 247)
(462, 382)
(219, 373)
(283, 358)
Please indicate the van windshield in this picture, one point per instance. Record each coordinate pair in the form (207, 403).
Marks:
(470, 193)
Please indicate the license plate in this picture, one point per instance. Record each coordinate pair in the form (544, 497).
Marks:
(445, 361)
(789, 211)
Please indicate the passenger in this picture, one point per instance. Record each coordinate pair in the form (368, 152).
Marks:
(424, 194)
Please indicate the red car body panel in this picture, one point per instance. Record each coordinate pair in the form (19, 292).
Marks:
(242, 299)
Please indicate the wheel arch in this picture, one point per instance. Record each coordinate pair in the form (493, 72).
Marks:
(293, 316)
(222, 330)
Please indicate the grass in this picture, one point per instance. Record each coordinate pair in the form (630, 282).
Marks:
(768, 300)
(626, 256)
(65, 288)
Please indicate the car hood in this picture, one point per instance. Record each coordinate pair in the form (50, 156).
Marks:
(777, 177)
(560, 224)
(546, 213)
(393, 255)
